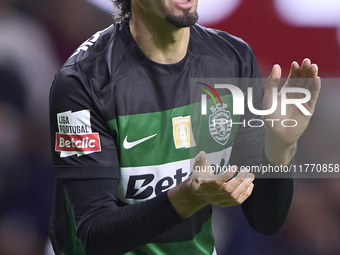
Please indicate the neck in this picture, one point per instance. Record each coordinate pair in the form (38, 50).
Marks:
(159, 40)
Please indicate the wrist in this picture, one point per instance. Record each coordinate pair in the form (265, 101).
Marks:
(184, 199)
(279, 152)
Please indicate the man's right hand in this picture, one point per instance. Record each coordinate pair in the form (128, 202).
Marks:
(203, 188)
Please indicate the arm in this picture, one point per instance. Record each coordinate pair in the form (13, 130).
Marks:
(89, 181)
(267, 208)
(104, 227)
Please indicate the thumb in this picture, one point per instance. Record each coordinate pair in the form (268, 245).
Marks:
(201, 165)
(276, 72)
(274, 77)
(272, 82)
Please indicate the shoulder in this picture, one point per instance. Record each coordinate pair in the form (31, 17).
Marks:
(99, 58)
(220, 43)
(93, 47)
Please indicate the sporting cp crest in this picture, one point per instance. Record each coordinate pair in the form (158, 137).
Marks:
(220, 126)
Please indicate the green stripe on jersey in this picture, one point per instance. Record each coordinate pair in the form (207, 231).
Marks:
(203, 244)
(157, 130)
(73, 245)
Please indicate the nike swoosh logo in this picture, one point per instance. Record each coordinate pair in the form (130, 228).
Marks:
(128, 145)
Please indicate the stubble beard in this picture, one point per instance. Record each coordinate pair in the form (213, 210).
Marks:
(186, 20)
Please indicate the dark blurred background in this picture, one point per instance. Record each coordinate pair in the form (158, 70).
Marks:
(37, 36)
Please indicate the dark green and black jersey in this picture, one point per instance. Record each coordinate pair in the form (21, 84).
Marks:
(117, 115)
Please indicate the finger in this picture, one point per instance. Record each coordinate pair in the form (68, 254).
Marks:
(272, 82)
(227, 175)
(312, 74)
(273, 79)
(233, 184)
(293, 76)
(242, 187)
(303, 73)
(315, 91)
(201, 160)
(313, 71)
(243, 172)
(245, 194)
(201, 157)
(240, 199)
(304, 68)
(201, 168)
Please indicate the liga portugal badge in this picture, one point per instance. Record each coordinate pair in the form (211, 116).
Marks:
(75, 136)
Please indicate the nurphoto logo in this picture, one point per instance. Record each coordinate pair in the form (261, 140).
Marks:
(239, 105)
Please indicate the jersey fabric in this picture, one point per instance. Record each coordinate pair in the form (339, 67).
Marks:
(116, 114)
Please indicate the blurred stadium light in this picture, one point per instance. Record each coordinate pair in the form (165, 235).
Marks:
(309, 13)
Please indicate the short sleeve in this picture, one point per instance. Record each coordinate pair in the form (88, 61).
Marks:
(83, 147)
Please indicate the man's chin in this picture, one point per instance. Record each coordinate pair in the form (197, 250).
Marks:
(186, 20)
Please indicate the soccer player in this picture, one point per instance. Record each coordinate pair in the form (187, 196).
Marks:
(121, 129)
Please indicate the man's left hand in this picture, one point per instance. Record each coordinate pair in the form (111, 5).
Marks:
(281, 141)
